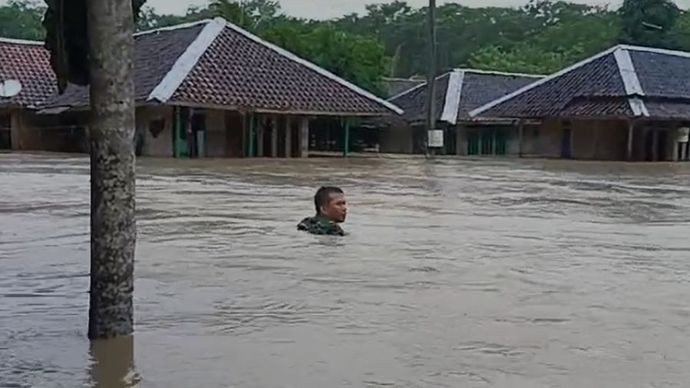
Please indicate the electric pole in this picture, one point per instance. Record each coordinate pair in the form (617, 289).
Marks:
(431, 76)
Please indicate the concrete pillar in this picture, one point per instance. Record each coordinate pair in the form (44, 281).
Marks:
(304, 137)
(631, 134)
(274, 137)
(460, 142)
(288, 137)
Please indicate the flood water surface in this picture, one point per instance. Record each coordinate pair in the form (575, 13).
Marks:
(454, 274)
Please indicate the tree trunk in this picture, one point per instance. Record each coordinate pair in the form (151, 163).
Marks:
(113, 228)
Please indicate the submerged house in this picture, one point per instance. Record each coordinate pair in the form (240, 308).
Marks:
(457, 93)
(626, 103)
(211, 89)
(27, 64)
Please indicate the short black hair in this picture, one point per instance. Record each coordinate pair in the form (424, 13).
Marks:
(323, 195)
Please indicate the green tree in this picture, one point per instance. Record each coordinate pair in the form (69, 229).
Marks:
(649, 22)
(21, 19)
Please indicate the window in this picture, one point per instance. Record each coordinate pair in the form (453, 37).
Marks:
(5, 131)
(156, 127)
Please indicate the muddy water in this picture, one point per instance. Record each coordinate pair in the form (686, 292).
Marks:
(455, 274)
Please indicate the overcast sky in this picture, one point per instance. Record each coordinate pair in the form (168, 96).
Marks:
(331, 8)
(323, 9)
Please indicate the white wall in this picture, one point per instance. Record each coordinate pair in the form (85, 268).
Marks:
(162, 144)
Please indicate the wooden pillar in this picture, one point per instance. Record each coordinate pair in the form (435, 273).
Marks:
(260, 138)
(288, 137)
(304, 137)
(346, 140)
(274, 136)
(631, 135)
(655, 145)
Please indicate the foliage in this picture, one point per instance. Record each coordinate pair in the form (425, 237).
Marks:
(649, 22)
(21, 19)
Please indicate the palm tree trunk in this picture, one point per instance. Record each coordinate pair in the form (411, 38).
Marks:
(113, 228)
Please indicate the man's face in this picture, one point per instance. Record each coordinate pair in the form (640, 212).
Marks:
(336, 208)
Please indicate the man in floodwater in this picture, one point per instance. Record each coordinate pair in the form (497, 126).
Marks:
(331, 210)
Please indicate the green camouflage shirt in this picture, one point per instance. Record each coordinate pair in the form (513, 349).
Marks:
(320, 225)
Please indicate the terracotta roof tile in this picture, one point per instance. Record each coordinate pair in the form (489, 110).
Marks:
(29, 63)
(237, 71)
(240, 71)
(478, 87)
(605, 86)
(155, 53)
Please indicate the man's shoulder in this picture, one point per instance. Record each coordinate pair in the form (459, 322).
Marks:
(319, 225)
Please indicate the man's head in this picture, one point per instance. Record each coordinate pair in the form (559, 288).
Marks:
(330, 203)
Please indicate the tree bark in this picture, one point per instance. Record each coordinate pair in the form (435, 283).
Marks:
(113, 228)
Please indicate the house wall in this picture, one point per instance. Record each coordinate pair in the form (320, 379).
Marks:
(161, 144)
(57, 133)
(216, 135)
(396, 140)
(543, 140)
(600, 139)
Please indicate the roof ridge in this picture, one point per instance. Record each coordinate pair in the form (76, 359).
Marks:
(186, 62)
(542, 81)
(421, 85)
(173, 28)
(506, 73)
(631, 83)
(451, 103)
(655, 50)
(319, 70)
(21, 41)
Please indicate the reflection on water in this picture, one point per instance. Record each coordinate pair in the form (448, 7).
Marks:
(454, 274)
(112, 363)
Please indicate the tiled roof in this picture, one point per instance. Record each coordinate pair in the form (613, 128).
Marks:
(214, 64)
(414, 101)
(624, 81)
(155, 53)
(29, 63)
(395, 86)
(460, 91)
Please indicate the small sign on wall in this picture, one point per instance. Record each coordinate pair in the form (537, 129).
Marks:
(683, 135)
(436, 138)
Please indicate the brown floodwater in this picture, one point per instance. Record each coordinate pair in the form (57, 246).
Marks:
(454, 274)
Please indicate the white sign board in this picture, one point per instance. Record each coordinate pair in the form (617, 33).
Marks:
(436, 138)
(683, 135)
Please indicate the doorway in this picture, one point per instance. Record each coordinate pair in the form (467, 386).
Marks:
(5, 131)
